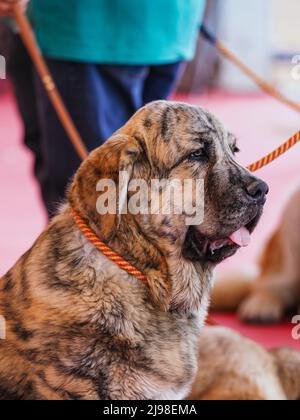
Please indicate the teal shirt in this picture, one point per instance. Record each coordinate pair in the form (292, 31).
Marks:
(140, 32)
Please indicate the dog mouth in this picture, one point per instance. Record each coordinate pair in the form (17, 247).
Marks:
(215, 251)
(241, 238)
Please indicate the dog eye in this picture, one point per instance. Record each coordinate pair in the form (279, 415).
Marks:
(198, 155)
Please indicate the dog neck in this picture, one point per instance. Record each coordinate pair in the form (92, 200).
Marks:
(175, 284)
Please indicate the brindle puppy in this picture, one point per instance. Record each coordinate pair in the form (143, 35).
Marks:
(78, 327)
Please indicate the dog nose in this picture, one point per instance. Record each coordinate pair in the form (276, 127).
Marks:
(258, 190)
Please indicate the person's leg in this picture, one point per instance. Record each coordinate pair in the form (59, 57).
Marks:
(161, 81)
(120, 92)
(100, 100)
(20, 71)
(75, 85)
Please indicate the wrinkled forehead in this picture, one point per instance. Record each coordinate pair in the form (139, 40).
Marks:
(177, 128)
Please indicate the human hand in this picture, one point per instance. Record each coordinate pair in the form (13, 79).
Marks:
(7, 6)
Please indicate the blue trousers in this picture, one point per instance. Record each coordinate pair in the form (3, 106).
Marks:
(100, 99)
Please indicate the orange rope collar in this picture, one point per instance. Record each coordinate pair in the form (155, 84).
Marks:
(106, 250)
(111, 255)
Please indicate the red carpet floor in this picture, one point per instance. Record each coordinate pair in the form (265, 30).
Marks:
(260, 124)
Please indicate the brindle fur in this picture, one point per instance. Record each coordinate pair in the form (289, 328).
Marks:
(78, 327)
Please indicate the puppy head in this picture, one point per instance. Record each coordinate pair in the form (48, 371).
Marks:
(174, 141)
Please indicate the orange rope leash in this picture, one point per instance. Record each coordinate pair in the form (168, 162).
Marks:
(106, 250)
(285, 147)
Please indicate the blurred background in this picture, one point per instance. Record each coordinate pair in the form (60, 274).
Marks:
(265, 34)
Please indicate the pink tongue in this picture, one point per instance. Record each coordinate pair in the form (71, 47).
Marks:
(241, 237)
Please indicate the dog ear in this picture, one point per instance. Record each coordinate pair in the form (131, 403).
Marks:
(104, 165)
(119, 154)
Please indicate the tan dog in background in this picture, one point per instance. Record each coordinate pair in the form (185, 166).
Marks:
(277, 289)
(234, 368)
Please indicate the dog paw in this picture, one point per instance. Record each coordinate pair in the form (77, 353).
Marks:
(261, 309)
